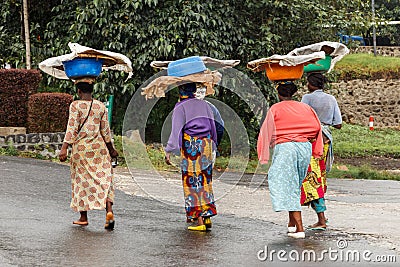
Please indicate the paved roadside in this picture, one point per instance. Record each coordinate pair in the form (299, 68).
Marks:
(365, 207)
(36, 224)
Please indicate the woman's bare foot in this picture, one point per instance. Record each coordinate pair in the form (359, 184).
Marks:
(200, 225)
(200, 221)
(321, 221)
(82, 223)
(318, 225)
(83, 220)
(295, 216)
(291, 227)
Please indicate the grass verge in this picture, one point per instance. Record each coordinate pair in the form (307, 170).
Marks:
(350, 141)
(356, 141)
(367, 66)
(362, 172)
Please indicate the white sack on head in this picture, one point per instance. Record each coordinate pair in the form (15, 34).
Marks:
(336, 50)
(157, 87)
(113, 61)
(285, 60)
(208, 61)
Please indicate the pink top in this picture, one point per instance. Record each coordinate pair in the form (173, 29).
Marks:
(289, 121)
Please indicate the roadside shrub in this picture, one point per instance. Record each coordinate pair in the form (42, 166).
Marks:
(16, 85)
(48, 112)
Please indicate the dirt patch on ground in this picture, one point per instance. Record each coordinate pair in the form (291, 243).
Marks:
(379, 163)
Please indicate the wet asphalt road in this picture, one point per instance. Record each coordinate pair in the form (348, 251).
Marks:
(36, 229)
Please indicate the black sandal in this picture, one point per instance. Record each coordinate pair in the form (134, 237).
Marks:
(110, 222)
(207, 222)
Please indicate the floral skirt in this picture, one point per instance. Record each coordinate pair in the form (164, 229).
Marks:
(288, 169)
(91, 175)
(196, 167)
(314, 185)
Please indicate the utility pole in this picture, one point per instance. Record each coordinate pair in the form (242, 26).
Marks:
(27, 40)
(373, 26)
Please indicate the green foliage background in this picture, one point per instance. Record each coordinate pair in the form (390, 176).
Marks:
(147, 30)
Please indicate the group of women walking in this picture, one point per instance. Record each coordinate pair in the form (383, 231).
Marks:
(297, 132)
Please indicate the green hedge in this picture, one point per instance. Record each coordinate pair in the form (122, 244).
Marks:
(16, 85)
(48, 112)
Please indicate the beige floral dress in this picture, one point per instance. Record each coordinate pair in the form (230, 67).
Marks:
(91, 171)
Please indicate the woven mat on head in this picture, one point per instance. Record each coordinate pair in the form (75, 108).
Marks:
(111, 60)
(158, 87)
(284, 60)
(208, 61)
(336, 50)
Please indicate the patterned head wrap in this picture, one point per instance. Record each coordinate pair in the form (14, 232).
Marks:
(187, 90)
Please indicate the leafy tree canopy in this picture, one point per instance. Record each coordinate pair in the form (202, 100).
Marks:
(146, 30)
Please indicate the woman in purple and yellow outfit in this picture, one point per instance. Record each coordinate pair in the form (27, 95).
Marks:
(194, 135)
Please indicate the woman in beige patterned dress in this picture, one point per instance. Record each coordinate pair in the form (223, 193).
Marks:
(88, 133)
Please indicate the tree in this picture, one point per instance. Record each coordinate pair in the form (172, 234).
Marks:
(26, 35)
(389, 10)
(146, 30)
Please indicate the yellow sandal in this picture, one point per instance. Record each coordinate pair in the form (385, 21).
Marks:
(201, 228)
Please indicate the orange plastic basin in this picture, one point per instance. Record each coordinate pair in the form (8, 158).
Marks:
(276, 72)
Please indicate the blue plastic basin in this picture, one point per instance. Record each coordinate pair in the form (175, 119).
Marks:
(83, 67)
(186, 66)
